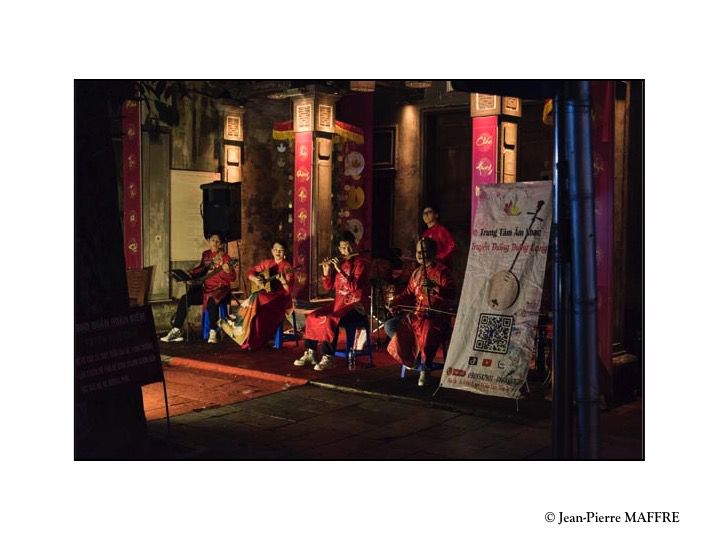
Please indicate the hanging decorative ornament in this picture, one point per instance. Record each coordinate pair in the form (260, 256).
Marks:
(354, 164)
(356, 227)
(355, 198)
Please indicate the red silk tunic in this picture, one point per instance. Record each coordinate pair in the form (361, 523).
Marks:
(216, 287)
(269, 307)
(350, 293)
(445, 242)
(421, 331)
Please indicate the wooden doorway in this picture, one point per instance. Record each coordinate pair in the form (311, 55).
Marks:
(447, 178)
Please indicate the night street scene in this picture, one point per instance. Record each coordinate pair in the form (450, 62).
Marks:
(336, 269)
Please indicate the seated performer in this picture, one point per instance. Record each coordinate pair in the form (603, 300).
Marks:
(217, 274)
(259, 316)
(436, 231)
(417, 335)
(348, 275)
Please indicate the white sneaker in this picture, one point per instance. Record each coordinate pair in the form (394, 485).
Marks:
(212, 336)
(173, 335)
(308, 357)
(422, 380)
(326, 362)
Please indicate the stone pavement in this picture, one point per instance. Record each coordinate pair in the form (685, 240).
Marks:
(226, 403)
(190, 389)
(310, 422)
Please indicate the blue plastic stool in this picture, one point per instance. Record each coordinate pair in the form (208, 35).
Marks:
(281, 337)
(350, 353)
(432, 366)
(222, 314)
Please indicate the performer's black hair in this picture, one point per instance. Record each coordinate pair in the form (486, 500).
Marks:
(347, 236)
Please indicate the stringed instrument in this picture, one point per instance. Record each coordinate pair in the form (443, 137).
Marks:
(504, 286)
(267, 279)
(212, 270)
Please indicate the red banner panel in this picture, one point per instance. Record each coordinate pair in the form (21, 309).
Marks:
(484, 156)
(302, 213)
(356, 188)
(132, 182)
(603, 108)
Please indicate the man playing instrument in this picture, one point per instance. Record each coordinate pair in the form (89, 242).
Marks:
(436, 231)
(348, 276)
(426, 300)
(215, 263)
(265, 309)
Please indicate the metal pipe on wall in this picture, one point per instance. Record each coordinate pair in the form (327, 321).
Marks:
(562, 412)
(584, 291)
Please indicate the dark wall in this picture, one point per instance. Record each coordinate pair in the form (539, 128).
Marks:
(110, 424)
(266, 172)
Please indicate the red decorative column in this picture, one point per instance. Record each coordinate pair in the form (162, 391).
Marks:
(494, 150)
(484, 156)
(132, 185)
(603, 110)
(303, 214)
(314, 125)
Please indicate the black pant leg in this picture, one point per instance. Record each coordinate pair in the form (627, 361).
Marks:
(326, 348)
(212, 309)
(192, 298)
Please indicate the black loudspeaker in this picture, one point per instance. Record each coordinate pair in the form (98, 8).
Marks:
(221, 209)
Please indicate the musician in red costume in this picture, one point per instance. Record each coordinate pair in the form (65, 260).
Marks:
(214, 290)
(348, 276)
(259, 316)
(436, 231)
(417, 335)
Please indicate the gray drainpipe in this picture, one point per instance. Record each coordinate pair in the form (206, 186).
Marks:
(562, 411)
(584, 291)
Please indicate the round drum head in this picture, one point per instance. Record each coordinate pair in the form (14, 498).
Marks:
(503, 290)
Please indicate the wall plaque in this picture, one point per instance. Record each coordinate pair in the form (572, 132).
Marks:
(303, 115)
(512, 106)
(484, 105)
(233, 128)
(325, 118)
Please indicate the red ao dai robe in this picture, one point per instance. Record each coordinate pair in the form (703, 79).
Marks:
(351, 293)
(267, 309)
(421, 331)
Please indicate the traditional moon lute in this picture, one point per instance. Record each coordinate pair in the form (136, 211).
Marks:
(504, 286)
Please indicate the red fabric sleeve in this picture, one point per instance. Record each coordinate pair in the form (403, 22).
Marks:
(407, 297)
(260, 267)
(198, 269)
(446, 243)
(327, 281)
(227, 277)
(289, 272)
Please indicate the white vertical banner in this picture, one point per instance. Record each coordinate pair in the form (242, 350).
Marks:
(495, 328)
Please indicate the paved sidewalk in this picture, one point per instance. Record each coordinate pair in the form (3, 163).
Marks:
(310, 422)
(190, 389)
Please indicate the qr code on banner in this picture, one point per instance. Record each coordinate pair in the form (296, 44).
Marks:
(493, 333)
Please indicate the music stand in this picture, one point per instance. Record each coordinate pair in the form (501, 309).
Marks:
(178, 274)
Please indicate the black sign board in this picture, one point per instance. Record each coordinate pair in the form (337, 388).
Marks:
(116, 350)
